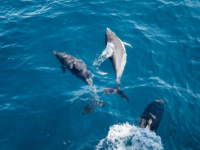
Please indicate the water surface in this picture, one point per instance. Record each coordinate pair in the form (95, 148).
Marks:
(41, 108)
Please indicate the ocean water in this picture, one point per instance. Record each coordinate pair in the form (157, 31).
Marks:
(41, 108)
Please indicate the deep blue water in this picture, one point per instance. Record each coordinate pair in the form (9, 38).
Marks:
(41, 108)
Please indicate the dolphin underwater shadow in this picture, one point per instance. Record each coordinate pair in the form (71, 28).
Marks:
(116, 52)
(152, 115)
(89, 108)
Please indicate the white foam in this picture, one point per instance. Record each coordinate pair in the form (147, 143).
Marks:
(108, 52)
(102, 73)
(130, 137)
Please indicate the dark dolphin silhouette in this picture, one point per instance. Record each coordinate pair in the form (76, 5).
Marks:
(152, 115)
(76, 66)
(89, 108)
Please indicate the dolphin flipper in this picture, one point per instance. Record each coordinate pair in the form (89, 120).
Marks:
(127, 44)
(63, 69)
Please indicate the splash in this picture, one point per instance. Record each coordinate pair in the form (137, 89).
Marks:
(130, 137)
(108, 52)
(93, 91)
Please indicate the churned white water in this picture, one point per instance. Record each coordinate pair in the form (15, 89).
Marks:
(130, 137)
(108, 52)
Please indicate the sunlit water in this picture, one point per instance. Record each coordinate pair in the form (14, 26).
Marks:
(41, 108)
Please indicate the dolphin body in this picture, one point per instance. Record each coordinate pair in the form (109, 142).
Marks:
(152, 115)
(117, 53)
(76, 66)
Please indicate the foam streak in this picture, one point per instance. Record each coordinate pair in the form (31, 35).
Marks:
(108, 52)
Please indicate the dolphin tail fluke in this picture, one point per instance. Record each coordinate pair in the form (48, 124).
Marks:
(127, 44)
(117, 91)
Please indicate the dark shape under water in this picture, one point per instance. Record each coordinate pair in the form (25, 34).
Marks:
(76, 66)
(117, 91)
(88, 108)
(152, 115)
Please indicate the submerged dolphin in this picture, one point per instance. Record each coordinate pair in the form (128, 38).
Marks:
(76, 66)
(88, 108)
(152, 115)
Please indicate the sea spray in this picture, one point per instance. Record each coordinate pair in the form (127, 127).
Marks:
(108, 52)
(130, 137)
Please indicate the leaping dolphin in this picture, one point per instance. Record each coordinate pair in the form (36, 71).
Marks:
(152, 115)
(115, 50)
(76, 66)
(118, 54)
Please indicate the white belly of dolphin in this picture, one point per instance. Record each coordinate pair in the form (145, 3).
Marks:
(121, 66)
